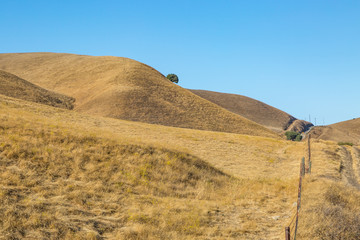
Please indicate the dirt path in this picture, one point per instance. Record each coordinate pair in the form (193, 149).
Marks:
(356, 163)
(350, 166)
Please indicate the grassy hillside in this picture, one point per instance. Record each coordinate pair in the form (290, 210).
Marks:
(125, 89)
(60, 183)
(255, 110)
(66, 175)
(13, 86)
(69, 175)
(74, 175)
(347, 131)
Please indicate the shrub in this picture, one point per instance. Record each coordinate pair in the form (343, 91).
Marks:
(345, 143)
(293, 136)
(173, 78)
(298, 137)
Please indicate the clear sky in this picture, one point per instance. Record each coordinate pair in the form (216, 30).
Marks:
(301, 56)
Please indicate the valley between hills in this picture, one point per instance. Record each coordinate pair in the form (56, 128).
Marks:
(108, 148)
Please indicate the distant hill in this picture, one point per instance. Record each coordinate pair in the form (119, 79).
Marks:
(13, 86)
(347, 131)
(255, 110)
(126, 89)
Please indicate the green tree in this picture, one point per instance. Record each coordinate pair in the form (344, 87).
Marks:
(173, 77)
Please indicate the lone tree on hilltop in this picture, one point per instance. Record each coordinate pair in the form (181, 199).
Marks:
(173, 78)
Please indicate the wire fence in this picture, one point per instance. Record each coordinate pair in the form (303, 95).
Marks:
(292, 227)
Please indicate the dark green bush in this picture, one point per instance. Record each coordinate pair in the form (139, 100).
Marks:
(293, 136)
(173, 78)
(298, 137)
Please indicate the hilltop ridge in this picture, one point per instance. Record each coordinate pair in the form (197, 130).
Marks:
(126, 89)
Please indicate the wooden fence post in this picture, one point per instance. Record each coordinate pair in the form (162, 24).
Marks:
(309, 154)
(302, 172)
(298, 205)
(287, 233)
(302, 167)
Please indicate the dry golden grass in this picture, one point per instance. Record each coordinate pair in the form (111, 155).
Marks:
(13, 86)
(126, 89)
(61, 182)
(255, 110)
(68, 175)
(330, 210)
(330, 196)
(347, 131)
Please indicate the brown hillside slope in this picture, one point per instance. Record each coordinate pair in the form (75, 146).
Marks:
(299, 126)
(126, 89)
(255, 110)
(347, 131)
(13, 86)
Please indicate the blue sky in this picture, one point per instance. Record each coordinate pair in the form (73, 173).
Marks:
(302, 57)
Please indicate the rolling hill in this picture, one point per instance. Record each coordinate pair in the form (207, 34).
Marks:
(64, 182)
(68, 175)
(13, 86)
(346, 131)
(256, 111)
(126, 89)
